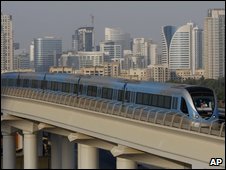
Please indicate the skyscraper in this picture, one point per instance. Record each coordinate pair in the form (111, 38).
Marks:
(147, 49)
(180, 52)
(214, 44)
(83, 39)
(182, 47)
(167, 34)
(197, 49)
(47, 51)
(113, 51)
(119, 37)
(6, 43)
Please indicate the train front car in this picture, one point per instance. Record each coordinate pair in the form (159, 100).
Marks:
(202, 106)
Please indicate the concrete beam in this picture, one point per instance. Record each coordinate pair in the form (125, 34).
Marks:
(76, 136)
(13, 121)
(91, 141)
(124, 150)
(45, 126)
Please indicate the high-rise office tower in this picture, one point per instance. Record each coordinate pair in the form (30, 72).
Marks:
(181, 47)
(6, 43)
(197, 49)
(147, 49)
(83, 39)
(180, 52)
(47, 51)
(113, 51)
(167, 34)
(214, 44)
(119, 37)
(31, 54)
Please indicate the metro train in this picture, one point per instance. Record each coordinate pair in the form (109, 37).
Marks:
(198, 103)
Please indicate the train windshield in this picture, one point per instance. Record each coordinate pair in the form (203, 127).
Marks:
(203, 99)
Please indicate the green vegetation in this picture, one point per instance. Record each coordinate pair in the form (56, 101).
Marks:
(217, 85)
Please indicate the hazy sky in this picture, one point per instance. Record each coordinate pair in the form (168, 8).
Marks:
(139, 18)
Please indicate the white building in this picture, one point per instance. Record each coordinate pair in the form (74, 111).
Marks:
(214, 44)
(182, 47)
(110, 48)
(158, 73)
(119, 37)
(21, 59)
(31, 53)
(87, 59)
(146, 49)
(6, 43)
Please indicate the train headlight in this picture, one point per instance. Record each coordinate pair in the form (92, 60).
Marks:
(214, 116)
(196, 116)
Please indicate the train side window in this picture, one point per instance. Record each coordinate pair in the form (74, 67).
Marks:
(34, 83)
(4, 82)
(150, 99)
(146, 98)
(92, 91)
(43, 84)
(120, 95)
(139, 99)
(154, 100)
(160, 101)
(167, 102)
(18, 82)
(183, 106)
(25, 83)
(53, 85)
(66, 87)
(80, 89)
(174, 104)
(59, 86)
(75, 88)
(107, 93)
(11, 82)
(127, 97)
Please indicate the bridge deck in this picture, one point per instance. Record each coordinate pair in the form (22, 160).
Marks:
(144, 128)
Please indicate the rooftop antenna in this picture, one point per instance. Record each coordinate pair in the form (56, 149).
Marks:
(92, 19)
(92, 22)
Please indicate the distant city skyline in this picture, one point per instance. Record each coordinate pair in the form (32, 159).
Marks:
(140, 19)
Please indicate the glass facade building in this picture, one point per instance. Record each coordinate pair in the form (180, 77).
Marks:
(46, 53)
(83, 39)
(167, 34)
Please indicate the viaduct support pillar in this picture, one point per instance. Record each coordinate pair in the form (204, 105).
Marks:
(30, 151)
(88, 157)
(9, 151)
(56, 161)
(125, 164)
(68, 154)
(40, 143)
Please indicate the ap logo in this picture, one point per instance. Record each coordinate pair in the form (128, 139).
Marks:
(216, 161)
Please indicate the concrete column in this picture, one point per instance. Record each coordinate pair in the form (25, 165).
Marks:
(88, 157)
(30, 151)
(9, 151)
(68, 154)
(56, 161)
(40, 143)
(125, 164)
